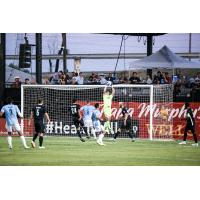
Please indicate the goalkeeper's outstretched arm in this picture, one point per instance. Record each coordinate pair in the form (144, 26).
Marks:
(105, 89)
(113, 91)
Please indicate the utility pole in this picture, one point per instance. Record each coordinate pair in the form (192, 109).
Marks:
(38, 58)
(149, 51)
(64, 38)
(2, 64)
(190, 45)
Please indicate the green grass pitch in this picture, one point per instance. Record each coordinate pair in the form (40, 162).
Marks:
(66, 151)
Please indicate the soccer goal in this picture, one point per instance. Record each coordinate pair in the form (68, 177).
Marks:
(148, 105)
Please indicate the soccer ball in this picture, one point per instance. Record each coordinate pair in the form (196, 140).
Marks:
(109, 83)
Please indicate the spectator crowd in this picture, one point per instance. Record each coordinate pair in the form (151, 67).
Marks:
(181, 83)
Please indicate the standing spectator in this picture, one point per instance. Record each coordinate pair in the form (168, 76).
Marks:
(191, 82)
(197, 78)
(177, 89)
(54, 79)
(103, 80)
(110, 78)
(134, 79)
(62, 79)
(80, 79)
(125, 80)
(67, 78)
(27, 81)
(17, 83)
(93, 78)
(148, 79)
(159, 78)
(75, 79)
(167, 78)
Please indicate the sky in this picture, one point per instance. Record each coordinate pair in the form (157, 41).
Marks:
(86, 43)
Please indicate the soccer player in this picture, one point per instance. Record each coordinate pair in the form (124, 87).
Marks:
(76, 118)
(87, 118)
(11, 111)
(96, 117)
(190, 125)
(108, 94)
(38, 113)
(125, 124)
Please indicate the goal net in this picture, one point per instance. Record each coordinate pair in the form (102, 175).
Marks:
(148, 105)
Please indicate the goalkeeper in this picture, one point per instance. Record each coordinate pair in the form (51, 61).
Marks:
(125, 124)
(108, 94)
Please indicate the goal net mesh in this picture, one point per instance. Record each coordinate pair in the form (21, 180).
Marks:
(137, 99)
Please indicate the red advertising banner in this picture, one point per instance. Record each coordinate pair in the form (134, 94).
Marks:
(174, 123)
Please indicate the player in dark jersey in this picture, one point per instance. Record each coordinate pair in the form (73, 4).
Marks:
(190, 125)
(124, 123)
(76, 118)
(38, 113)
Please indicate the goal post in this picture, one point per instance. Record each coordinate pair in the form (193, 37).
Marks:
(148, 106)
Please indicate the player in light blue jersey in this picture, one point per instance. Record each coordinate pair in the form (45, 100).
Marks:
(87, 118)
(96, 117)
(11, 112)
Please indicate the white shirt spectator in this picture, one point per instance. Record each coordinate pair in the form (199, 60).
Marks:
(191, 80)
(149, 81)
(75, 78)
(80, 80)
(103, 81)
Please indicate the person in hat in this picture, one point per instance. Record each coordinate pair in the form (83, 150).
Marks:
(17, 83)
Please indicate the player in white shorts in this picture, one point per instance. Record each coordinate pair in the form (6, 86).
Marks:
(96, 117)
(87, 118)
(11, 111)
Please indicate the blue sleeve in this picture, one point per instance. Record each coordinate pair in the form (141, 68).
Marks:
(17, 109)
(3, 109)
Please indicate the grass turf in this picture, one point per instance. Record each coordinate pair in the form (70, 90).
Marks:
(65, 151)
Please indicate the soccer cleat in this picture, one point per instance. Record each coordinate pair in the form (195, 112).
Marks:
(26, 147)
(82, 140)
(133, 140)
(113, 139)
(88, 137)
(33, 144)
(195, 145)
(42, 147)
(100, 143)
(183, 142)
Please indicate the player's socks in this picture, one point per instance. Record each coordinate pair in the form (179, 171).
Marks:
(107, 126)
(195, 138)
(93, 133)
(86, 132)
(101, 137)
(10, 142)
(79, 134)
(129, 134)
(116, 135)
(40, 141)
(23, 141)
(185, 136)
(35, 137)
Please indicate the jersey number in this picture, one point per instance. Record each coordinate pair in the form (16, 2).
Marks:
(11, 112)
(74, 111)
(37, 112)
